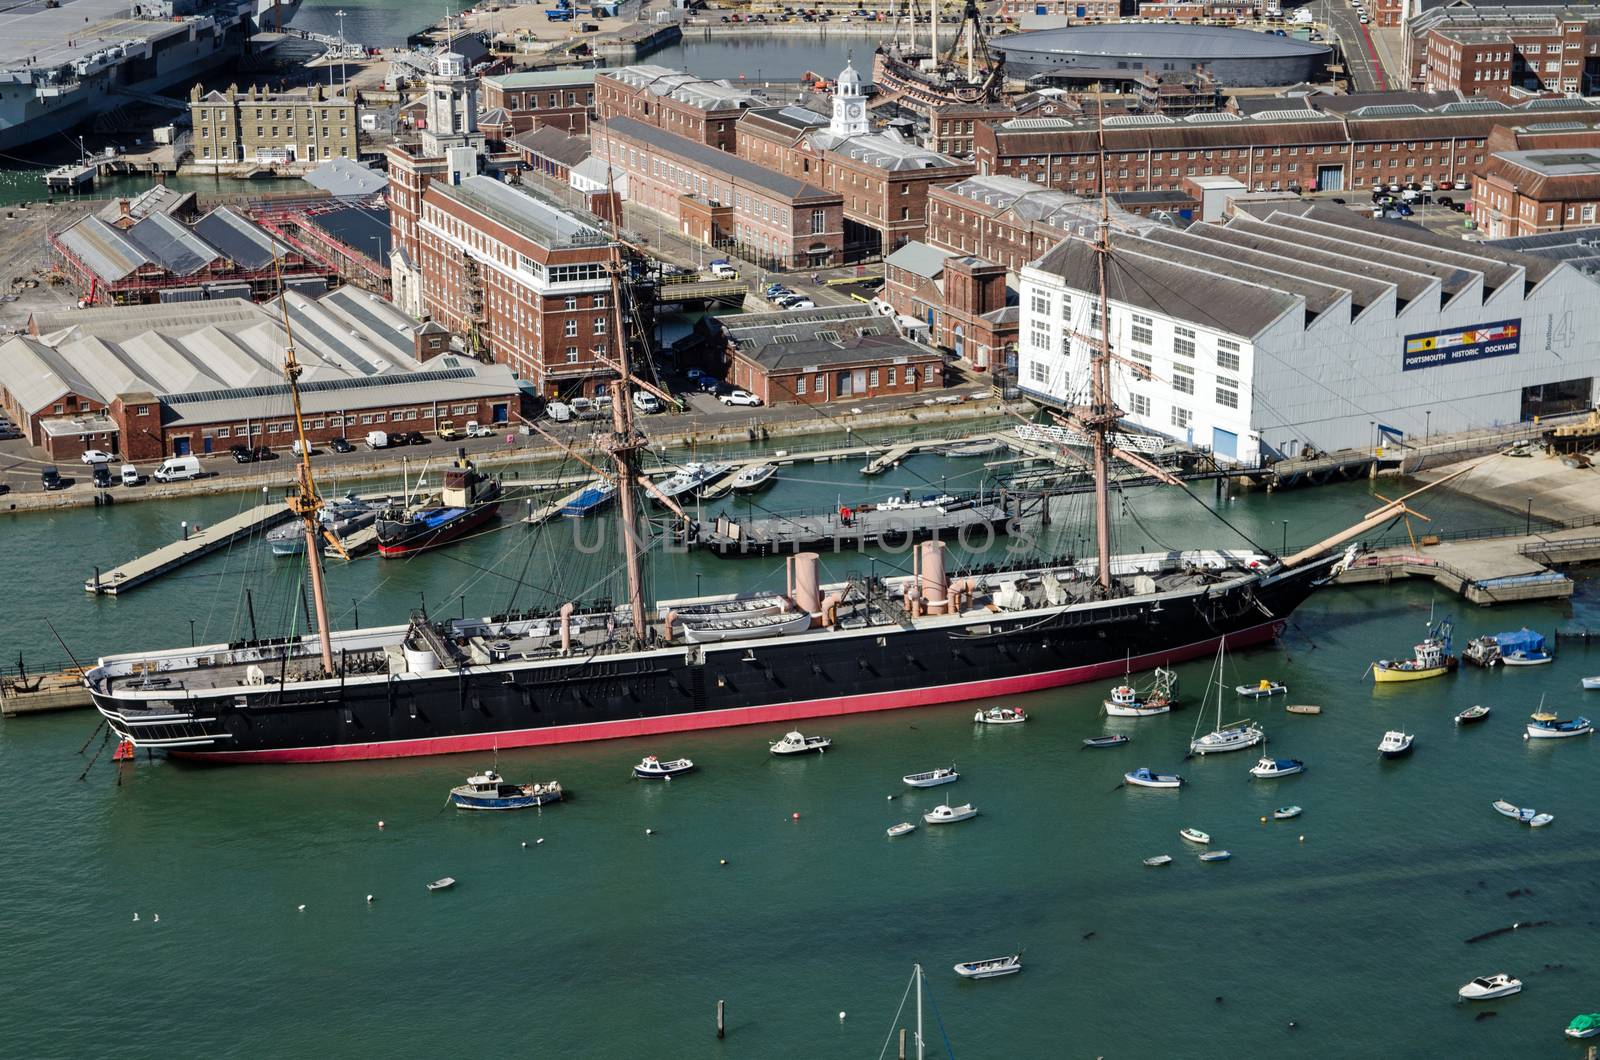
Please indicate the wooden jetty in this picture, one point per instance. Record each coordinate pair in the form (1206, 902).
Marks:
(200, 542)
(894, 526)
(43, 693)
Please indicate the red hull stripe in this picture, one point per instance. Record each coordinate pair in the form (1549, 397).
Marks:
(717, 719)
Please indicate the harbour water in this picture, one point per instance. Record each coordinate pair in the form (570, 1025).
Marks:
(601, 939)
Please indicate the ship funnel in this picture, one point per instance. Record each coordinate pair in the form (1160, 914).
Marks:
(934, 583)
(806, 595)
(566, 627)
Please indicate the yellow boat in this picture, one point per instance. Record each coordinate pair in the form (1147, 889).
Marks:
(1432, 658)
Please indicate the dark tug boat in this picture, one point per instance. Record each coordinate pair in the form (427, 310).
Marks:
(469, 499)
(431, 686)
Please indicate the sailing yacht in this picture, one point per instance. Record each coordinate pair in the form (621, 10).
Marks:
(1235, 736)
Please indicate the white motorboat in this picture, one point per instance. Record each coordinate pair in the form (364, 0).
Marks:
(932, 778)
(1146, 778)
(1528, 658)
(1216, 855)
(1158, 861)
(1284, 813)
(1277, 767)
(991, 968)
(1129, 702)
(1194, 835)
(1000, 716)
(1591, 683)
(903, 828)
(1508, 809)
(442, 884)
(1476, 712)
(652, 768)
(689, 481)
(1585, 1026)
(1395, 743)
(1262, 689)
(754, 477)
(1546, 726)
(943, 814)
(745, 627)
(1234, 737)
(796, 743)
(1488, 987)
(1539, 820)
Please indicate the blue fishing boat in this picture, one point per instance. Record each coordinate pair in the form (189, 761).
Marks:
(589, 501)
(489, 791)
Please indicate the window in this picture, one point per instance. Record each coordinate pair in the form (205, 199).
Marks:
(1039, 338)
(571, 329)
(1036, 372)
(1228, 393)
(1143, 330)
(1041, 302)
(872, 378)
(572, 355)
(1183, 341)
(1228, 355)
(599, 325)
(892, 372)
(1181, 417)
(599, 301)
(1066, 307)
(1094, 318)
(800, 386)
(571, 301)
(1183, 379)
(1139, 405)
(819, 222)
(821, 385)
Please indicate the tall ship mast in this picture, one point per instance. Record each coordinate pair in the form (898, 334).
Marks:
(588, 670)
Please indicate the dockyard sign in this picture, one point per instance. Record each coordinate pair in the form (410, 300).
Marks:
(1431, 349)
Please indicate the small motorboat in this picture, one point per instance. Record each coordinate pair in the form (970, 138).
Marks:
(974, 448)
(1508, 809)
(1431, 658)
(1303, 708)
(1143, 777)
(1277, 767)
(590, 500)
(754, 477)
(1216, 855)
(488, 791)
(1527, 658)
(1488, 987)
(444, 883)
(1546, 726)
(1585, 1026)
(1099, 742)
(942, 814)
(796, 743)
(1476, 712)
(932, 778)
(1492, 649)
(1539, 820)
(1285, 813)
(1158, 861)
(1194, 835)
(989, 969)
(1590, 683)
(1000, 716)
(1395, 743)
(1125, 703)
(652, 768)
(1262, 689)
(903, 828)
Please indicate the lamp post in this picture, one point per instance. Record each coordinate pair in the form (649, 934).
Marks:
(1427, 429)
(340, 13)
(1528, 530)
(1285, 537)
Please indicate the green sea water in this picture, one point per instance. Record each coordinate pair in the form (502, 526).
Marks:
(602, 941)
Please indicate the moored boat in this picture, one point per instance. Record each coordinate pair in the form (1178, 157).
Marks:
(469, 500)
(1476, 712)
(1268, 767)
(754, 477)
(1159, 697)
(797, 743)
(1158, 861)
(489, 791)
(943, 814)
(1303, 708)
(1546, 726)
(590, 500)
(1143, 777)
(932, 778)
(1285, 813)
(652, 768)
(1000, 716)
(1431, 658)
(1194, 835)
(1492, 649)
(1262, 689)
(1585, 1026)
(1528, 658)
(903, 828)
(991, 968)
(1234, 737)
(1102, 742)
(1487, 987)
(1396, 743)
(444, 883)
(1216, 855)
(340, 519)
(1591, 683)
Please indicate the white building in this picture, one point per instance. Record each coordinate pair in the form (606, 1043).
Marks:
(1297, 325)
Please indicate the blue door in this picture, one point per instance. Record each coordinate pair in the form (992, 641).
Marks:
(207, 443)
(1082, 11)
(1040, 9)
(1224, 443)
(180, 446)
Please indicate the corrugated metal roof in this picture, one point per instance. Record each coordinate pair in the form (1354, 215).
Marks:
(238, 240)
(540, 221)
(37, 376)
(171, 245)
(919, 258)
(346, 178)
(103, 249)
(711, 160)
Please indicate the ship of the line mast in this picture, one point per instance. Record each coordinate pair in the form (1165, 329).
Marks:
(303, 501)
(1102, 414)
(625, 443)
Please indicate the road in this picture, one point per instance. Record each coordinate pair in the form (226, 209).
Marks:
(1366, 72)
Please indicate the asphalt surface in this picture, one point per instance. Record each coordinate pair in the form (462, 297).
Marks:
(1360, 56)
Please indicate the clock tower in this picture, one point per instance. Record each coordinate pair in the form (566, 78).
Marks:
(849, 105)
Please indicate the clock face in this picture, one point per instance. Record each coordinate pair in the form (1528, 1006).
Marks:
(853, 110)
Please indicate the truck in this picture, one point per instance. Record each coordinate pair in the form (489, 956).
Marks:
(479, 430)
(178, 469)
(562, 12)
(448, 430)
(723, 269)
(377, 440)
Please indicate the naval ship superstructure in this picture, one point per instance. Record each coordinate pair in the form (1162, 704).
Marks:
(61, 65)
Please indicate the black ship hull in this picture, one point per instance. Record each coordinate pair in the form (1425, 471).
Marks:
(685, 688)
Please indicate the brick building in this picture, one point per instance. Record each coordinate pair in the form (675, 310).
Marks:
(883, 179)
(771, 217)
(1538, 180)
(1289, 149)
(679, 103)
(961, 298)
(1547, 55)
(1073, 11)
(815, 356)
(151, 381)
(524, 279)
(271, 128)
(1010, 221)
(561, 99)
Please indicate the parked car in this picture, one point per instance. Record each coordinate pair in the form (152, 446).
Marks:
(801, 303)
(51, 479)
(740, 397)
(399, 438)
(709, 384)
(341, 445)
(559, 411)
(646, 402)
(131, 476)
(479, 430)
(308, 450)
(263, 453)
(694, 373)
(95, 456)
(242, 454)
(416, 438)
(377, 440)
(102, 476)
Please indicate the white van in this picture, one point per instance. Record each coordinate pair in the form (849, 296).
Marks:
(178, 469)
(646, 402)
(377, 440)
(558, 411)
(130, 475)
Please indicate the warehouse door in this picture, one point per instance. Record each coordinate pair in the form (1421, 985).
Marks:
(1224, 443)
(1330, 178)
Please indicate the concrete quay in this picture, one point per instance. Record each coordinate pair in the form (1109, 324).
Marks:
(199, 542)
(1485, 571)
(43, 694)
